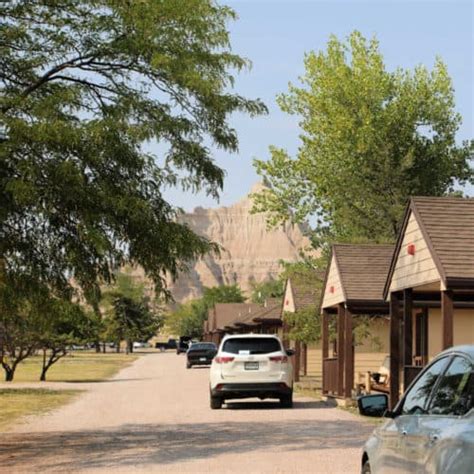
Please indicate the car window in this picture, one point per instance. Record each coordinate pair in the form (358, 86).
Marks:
(202, 347)
(416, 399)
(251, 345)
(454, 394)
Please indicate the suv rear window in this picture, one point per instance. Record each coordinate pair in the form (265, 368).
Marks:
(200, 347)
(252, 345)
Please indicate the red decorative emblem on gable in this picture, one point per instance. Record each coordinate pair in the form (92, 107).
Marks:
(287, 303)
(411, 249)
(331, 289)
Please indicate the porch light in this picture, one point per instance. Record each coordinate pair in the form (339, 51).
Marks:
(411, 249)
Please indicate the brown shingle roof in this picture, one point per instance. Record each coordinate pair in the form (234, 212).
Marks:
(227, 313)
(305, 294)
(363, 269)
(271, 311)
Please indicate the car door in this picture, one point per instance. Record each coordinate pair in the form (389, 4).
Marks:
(412, 411)
(444, 442)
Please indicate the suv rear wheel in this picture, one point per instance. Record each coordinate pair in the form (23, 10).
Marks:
(287, 401)
(216, 403)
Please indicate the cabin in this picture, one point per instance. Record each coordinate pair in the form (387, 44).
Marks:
(430, 285)
(353, 287)
(299, 295)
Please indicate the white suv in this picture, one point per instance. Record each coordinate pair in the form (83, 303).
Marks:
(251, 365)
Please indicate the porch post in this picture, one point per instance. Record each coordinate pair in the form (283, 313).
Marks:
(349, 353)
(296, 372)
(395, 318)
(325, 343)
(340, 349)
(447, 318)
(408, 327)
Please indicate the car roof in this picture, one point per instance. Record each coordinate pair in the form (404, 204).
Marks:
(466, 349)
(238, 336)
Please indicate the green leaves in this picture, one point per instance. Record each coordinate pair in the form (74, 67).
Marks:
(84, 85)
(370, 139)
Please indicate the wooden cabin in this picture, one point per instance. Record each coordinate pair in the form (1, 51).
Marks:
(430, 285)
(353, 286)
(298, 295)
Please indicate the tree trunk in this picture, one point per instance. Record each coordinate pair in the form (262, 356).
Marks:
(104, 349)
(43, 374)
(129, 347)
(9, 373)
(97, 347)
(45, 367)
(117, 347)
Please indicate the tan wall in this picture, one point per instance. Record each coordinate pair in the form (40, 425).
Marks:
(333, 280)
(379, 330)
(463, 329)
(366, 356)
(413, 270)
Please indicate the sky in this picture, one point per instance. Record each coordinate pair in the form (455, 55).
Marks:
(275, 35)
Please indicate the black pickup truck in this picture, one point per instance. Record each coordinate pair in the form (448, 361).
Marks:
(163, 346)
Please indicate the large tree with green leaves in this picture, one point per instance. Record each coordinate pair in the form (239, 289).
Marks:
(370, 138)
(84, 87)
(130, 312)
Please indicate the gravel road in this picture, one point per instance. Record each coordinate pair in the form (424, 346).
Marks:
(154, 416)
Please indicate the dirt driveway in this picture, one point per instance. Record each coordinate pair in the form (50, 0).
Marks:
(154, 416)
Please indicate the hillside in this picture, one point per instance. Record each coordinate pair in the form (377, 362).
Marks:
(250, 250)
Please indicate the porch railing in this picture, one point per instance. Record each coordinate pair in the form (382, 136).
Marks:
(330, 375)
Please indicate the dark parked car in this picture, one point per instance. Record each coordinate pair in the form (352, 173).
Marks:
(163, 346)
(201, 353)
(431, 430)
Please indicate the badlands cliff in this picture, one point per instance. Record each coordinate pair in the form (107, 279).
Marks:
(250, 250)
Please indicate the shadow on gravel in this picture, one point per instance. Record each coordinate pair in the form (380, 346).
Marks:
(298, 405)
(132, 445)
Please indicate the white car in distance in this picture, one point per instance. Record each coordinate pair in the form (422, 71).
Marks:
(251, 365)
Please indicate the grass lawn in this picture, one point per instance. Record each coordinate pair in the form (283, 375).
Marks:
(16, 403)
(75, 367)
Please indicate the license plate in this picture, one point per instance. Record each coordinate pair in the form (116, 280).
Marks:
(251, 366)
(202, 359)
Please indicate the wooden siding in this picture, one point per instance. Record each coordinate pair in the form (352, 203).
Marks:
(288, 300)
(333, 281)
(449, 225)
(413, 270)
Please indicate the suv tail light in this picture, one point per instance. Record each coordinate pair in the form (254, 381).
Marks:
(223, 360)
(282, 359)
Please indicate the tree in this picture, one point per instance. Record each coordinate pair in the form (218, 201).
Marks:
(22, 303)
(84, 85)
(188, 319)
(266, 289)
(370, 139)
(222, 294)
(129, 313)
(64, 325)
(133, 321)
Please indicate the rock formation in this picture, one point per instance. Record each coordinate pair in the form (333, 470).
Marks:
(250, 250)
